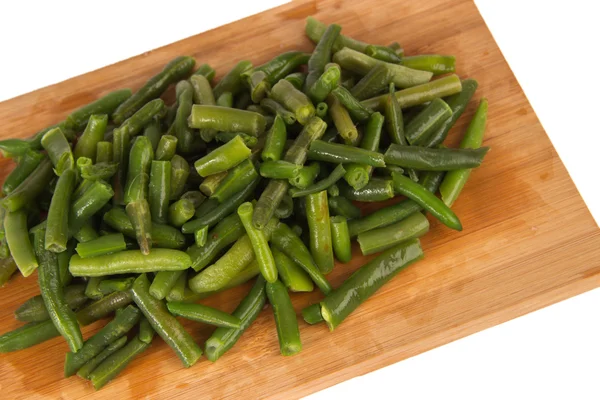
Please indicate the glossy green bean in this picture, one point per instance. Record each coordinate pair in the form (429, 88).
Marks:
(116, 362)
(237, 179)
(91, 201)
(259, 241)
(314, 29)
(339, 205)
(283, 64)
(86, 233)
(58, 149)
(232, 82)
(275, 142)
(325, 83)
(159, 190)
(363, 283)
(354, 107)
(223, 158)
(85, 371)
(291, 274)
(106, 244)
(285, 318)
(434, 63)
(34, 309)
(205, 314)
(180, 212)
(342, 121)
(342, 154)
(297, 79)
(180, 171)
(341, 239)
(279, 169)
(92, 288)
(427, 121)
(142, 117)
(312, 314)
(153, 132)
(358, 175)
(103, 307)
(201, 236)
(27, 335)
(376, 240)
(337, 174)
(321, 247)
(321, 55)
(27, 163)
(163, 282)
(376, 190)
(57, 231)
(203, 93)
(103, 170)
(108, 286)
(306, 176)
(373, 83)
(207, 71)
(177, 292)
(130, 261)
(249, 141)
(185, 137)
(107, 104)
(104, 152)
(293, 100)
(277, 109)
(121, 144)
(146, 332)
(89, 139)
(437, 159)
(166, 148)
(17, 236)
(384, 53)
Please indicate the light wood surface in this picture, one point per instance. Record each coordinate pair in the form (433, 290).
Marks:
(528, 239)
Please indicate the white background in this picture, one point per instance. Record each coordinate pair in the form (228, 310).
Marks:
(552, 47)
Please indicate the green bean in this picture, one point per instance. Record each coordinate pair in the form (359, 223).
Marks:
(340, 154)
(312, 314)
(146, 332)
(458, 103)
(223, 158)
(180, 171)
(103, 307)
(275, 142)
(201, 236)
(104, 170)
(121, 141)
(384, 53)
(92, 288)
(339, 205)
(57, 231)
(249, 141)
(433, 63)
(321, 110)
(455, 180)
(376, 240)
(279, 170)
(142, 117)
(342, 121)
(185, 137)
(363, 283)
(153, 132)
(212, 217)
(293, 100)
(205, 314)
(207, 206)
(212, 182)
(376, 190)
(277, 109)
(285, 318)
(232, 81)
(180, 212)
(315, 29)
(283, 64)
(163, 282)
(236, 180)
(27, 335)
(58, 149)
(259, 85)
(34, 309)
(166, 148)
(203, 93)
(130, 261)
(325, 83)
(167, 327)
(7, 269)
(106, 244)
(373, 83)
(85, 371)
(285, 208)
(94, 133)
(419, 94)
(86, 233)
(341, 239)
(28, 162)
(321, 55)
(108, 286)
(297, 79)
(196, 197)
(139, 215)
(116, 328)
(426, 159)
(317, 212)
(337, 174)
(223, 339)
(306, 176)
(107, 104)
(358, 175)
(116, 362)
(17, 236)
(177, 292)
(159, 190)
(164, 236)
(174, 71)
(291, 274)
(258, 109)
(354, 107)
(259, 241)
(63, 263)
(104, 152)
(427, 121)
(207, 71)
(238, 257)
(224, 100)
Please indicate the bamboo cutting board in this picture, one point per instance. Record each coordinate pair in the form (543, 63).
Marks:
(528, 242)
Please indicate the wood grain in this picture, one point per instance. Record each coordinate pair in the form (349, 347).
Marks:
(528, 242)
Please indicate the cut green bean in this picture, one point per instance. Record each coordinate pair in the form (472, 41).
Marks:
(325, 83)
(177, 292)
(227, 119)
(57, 230)
(232, 82)
(341, 239)
(180, 212)
(373, 83)
(121, 142)
(93, 134)
(285, 318)
(107, 104)
(223, 158)
(142, 117)
(201, 236)
(104, 152)
(341, 154)
(275, 142)
(337, 174)
(427, 121)
(306, 176)
(207, 71)
(339, 205)
(34, 309)
(259, 242)
(275, 108)
(312, 314)
(205, 314)
(106, 244)
(159, 190)
(224, 100)
(384, 53)
(108, 286)
(291, 274)
(210, 184)
(17, 236)
(376, 240)
(297, 79)
(153, 132)
(237, 179)
(103, 307)
(354, 107)
(203, 93)
(279, 170)
(85, 371)
(321, 248)
(7, 268)
(437, 159)
(342, 121)
(166, 148)
(376, 190)
(180, 171)
(433, 63)
(293, 100)
(59, 150)
(28, 162)
(163, 282)
(358, 175)
(315, 29)
(116, 362)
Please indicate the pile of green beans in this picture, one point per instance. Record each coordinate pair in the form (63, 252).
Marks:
(136, 210)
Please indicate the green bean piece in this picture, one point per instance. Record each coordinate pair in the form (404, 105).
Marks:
(341, 239)
(93, 134)
(107, 104)
(291, 274)
(325, 83)
(257, 108)
(427, 121)
(153, 132)
(312, 314)
(142, 117)
(236, 180)
(419, 94)
(259, 85)
(159, 190)
(59, 150)
(357, 111)
(397, 48)
(342, 121)
(373, 83)
(201, 236)
(285, 318)
(224, 339)
(108, 286)
(92, 288)
(232, 82)
(434, 63)
(27, 335)
(321, 55)
(146, 332)
(85, 371)
(180, 171)
(249, 141)
(324, 184)
(385, 54)
(227, 119)
(315, 29)
(34, 309)
(317, 212)
(285, 240)
(167, 327)
(86, 233)
(358, 175)
(183, 133)
(293, 100)
(259, 242)
(177, 292)
(238, 257)
(297, 79)
(93, 172)
(7, 268)
(121, 142)
(180, 212)
(454, 181)
(139, 215)
(437, 159)
(196, 197)
(205, 314)
(63, 263)
(285, 208)
(277, 109)
(164, 236)
(339, 205)
(321, 110)
(283, 64)
(279, 170)
(341, 154)
(166, 148)
(275, 142)
(376, 190)
(130, 261)
(224, 100)
(57, 231)
(174, 71)
(427, 200)
(223, 158)
(228, 206)
(116, 328)
(205, 70)
(363, 283)
(210, 184)
(376, 240)
(306, 176)
(17, 237)
(106, 244)
(28, 162)
(163, 282)
(91, 201)
(203, 93)
(103, 307)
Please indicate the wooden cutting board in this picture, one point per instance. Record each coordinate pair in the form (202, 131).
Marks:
(529, 241)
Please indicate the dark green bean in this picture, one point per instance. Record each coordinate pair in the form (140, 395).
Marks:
(185, 137)
(376, 190)
(373, 83)
(108, 286)
(159, 190)
(339, 205)
(325, 83)
(27, 335)
(376, 240)
(297, 79)
(291, 274)
(321, 55)
(142, 117)
(7, 268)
(107, 104)
(312, 314)
(279, 170)
(86, 233)
(285, 318)
(395, 124)
(103, 170)
(57, 231)
(103, 307)
(116, 362)
(306, 176)
(275, 142)
(427, 122)
(34, 309)
(205, 314)
(249, 141)
(146, 332)
(153, 132)
(180, 171)
(93, 134)
(356, 110)
(341, 154)
(207, 71)
(259, 242)
(358, 175)
(315, 29)
(121, 142)
(337, 174)
(232, 82)
(283, 65)
(92, 289)
(177, 292)
(437, 159)
(195, 196)
(27, 163)
(341, 239)
(17, 236)
(85, 371)
(275, 108)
